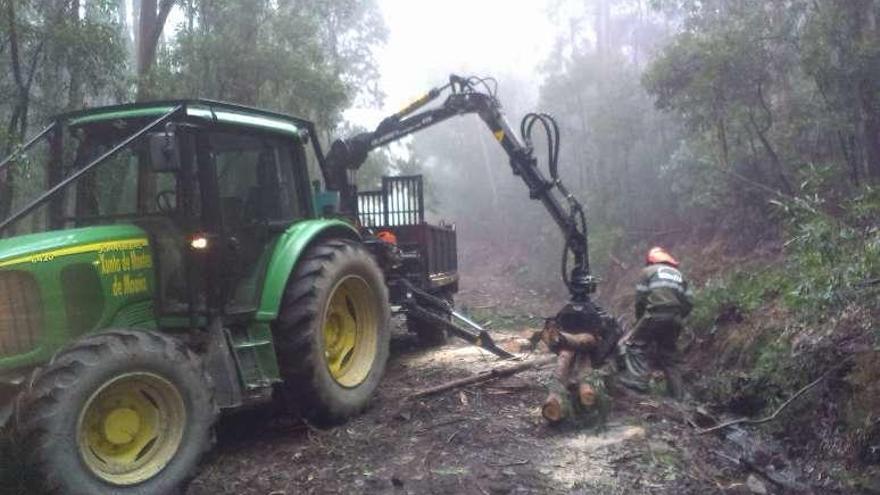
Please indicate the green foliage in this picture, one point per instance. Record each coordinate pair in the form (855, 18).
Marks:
(828, 275)
(605, 242)
(828, 262)
(771, 94)
(308, 58)
(311, 58)
(54, 56)
(833, 257)
(771, 358)
(841, 54)
(735, 294)
(67, 51)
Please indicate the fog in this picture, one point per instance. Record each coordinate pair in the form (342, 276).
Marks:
(545, 57)
(428, 41)
(674, 116)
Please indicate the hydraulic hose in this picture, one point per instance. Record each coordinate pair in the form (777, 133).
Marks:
(577, 218)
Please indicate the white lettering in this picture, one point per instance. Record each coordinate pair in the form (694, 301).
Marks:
(672, 274)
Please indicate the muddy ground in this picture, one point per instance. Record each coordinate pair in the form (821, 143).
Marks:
(489, 438)
(484, 439)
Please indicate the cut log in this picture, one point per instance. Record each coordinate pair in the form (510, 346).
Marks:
(553, 410)
(492, 374)
(554, 338)
(587, 395)
(563, 366)
(577, 341)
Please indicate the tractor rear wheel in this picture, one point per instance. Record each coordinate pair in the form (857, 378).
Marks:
(333, 331)
(122, 412)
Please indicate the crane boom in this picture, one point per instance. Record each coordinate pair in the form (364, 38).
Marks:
(474, 96)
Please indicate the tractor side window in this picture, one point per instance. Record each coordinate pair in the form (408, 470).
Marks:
(111, 189)
(255, 179)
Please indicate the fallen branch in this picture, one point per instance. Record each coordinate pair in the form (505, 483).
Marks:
(492, 374)
(778, 410)
(521, 462)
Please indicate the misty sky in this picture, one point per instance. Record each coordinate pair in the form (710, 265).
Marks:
(428, 39)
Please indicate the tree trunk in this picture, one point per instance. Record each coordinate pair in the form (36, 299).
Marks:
(871, 116)
(6, 176)
(774, 157)
(603, 21)
(721, 135)
(126, 29)
(151, 21)
(868, 96)
(75, 93)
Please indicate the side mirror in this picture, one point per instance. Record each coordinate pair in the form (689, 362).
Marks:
(164, 153)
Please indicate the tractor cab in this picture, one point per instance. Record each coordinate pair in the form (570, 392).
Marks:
(210, 185)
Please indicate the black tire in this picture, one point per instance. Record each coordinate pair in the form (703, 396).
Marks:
(428, 334)
(299, 333)
(52, 412)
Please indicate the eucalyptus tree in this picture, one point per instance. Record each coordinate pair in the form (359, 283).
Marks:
(311, 58)
(781, 97)
(55, 55)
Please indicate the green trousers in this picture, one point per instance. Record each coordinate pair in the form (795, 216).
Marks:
(654, 344)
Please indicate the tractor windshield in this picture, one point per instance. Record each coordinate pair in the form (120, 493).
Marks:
(121, 187)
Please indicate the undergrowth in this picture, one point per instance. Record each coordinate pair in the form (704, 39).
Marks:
(831, 262)
(770, 329)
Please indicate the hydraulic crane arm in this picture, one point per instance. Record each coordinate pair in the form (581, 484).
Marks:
(473, 95)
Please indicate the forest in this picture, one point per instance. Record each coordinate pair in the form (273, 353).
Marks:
(741, 135)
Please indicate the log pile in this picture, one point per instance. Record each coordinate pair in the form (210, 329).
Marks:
(577, 389)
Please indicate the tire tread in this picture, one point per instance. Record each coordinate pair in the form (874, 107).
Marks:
(36, 403)
(294, 330)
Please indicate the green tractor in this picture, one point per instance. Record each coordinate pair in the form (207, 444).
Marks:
(182, 260)
(189, 257)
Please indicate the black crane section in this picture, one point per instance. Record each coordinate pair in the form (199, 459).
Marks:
(478, 96)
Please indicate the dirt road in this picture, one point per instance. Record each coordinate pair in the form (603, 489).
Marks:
(484, 439)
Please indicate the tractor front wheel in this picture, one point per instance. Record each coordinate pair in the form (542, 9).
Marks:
(333, 331)
(122, 412)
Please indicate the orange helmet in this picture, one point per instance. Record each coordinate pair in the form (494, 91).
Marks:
(387, 236)
(659, 255)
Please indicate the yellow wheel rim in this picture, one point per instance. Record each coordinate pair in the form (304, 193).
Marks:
(131, 427)
(350, 331)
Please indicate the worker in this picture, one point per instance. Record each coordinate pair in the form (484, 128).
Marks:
(387, 236)
(663, 300)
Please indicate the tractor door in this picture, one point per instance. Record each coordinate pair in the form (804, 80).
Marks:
(133, 188)
(256, 185)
